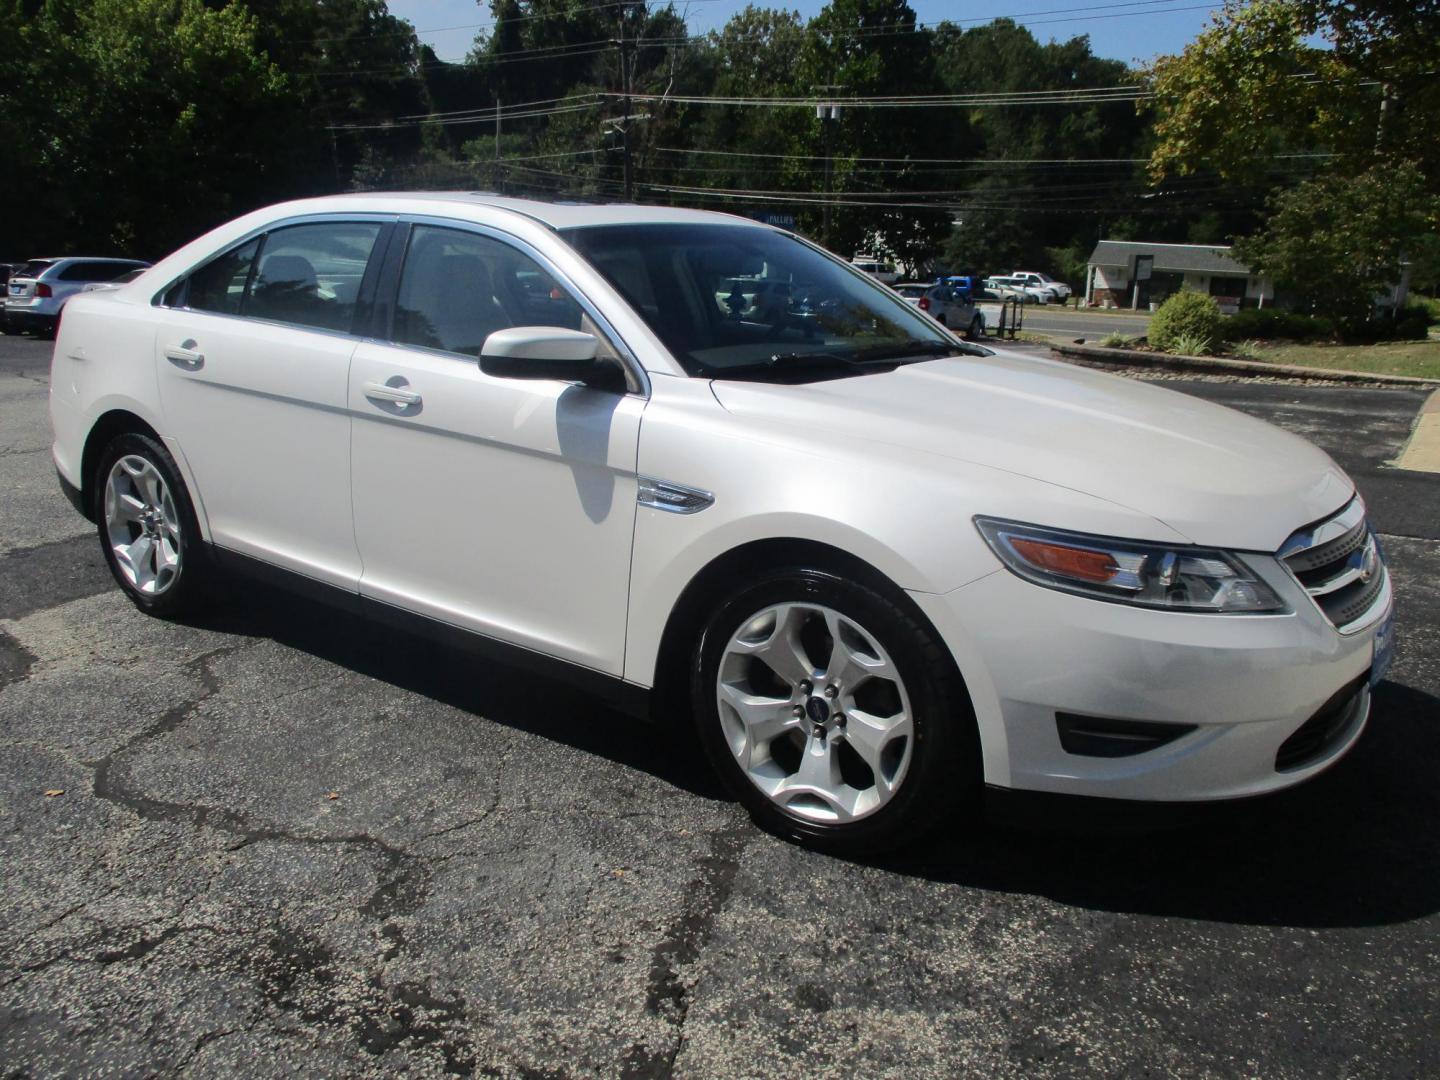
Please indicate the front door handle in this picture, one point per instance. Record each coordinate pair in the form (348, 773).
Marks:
(382, 392)
(185, 356)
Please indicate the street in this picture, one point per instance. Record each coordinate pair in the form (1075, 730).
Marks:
(279, 840)
(1059, 321)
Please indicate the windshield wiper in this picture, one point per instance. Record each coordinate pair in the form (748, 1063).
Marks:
(791, 365)
(921, 350)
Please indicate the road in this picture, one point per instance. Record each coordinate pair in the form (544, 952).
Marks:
(288, 842)
(1059, 321)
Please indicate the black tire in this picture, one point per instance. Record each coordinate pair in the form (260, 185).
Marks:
(191, 585)
(943, 777)
(8, 327)
(977, 329)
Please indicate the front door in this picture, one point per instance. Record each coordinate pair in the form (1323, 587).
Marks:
(501, 506)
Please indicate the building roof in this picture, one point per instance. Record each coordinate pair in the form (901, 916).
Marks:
(1176, 258)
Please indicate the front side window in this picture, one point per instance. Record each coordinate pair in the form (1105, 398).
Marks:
(457, 288)
(727, 299)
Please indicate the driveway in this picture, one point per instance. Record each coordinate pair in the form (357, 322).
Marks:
(285, 841)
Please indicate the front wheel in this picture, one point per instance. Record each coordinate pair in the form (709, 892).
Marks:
(148, 528)
(832, 713)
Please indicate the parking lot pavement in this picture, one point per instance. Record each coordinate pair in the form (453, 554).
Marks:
(286, 841)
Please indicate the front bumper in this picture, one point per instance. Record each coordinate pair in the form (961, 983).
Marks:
(1241, 685)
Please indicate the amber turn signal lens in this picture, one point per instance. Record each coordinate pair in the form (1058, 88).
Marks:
(1078, 563)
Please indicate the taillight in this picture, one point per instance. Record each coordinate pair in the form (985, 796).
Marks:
(42, 290)
(924, 303)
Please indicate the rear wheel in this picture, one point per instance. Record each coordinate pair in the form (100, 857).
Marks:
(148, 528)
(832, 713)
(977, 328)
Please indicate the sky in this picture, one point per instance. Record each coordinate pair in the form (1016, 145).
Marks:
(1133, 32)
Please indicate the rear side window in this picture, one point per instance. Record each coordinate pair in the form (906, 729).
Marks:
(94, 271)
(34, 268)
(458, 288)
(219, 285)
(310, 275)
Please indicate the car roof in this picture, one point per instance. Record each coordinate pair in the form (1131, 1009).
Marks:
(557, 214)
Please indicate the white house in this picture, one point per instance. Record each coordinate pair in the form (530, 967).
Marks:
(1123, 273)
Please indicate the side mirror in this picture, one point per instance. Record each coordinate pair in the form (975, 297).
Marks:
(549, 352)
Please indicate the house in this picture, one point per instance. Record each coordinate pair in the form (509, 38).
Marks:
(1126, 274)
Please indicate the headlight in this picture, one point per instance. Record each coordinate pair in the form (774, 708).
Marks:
(1178, 578)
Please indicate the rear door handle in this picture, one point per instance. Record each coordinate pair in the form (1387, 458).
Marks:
(185, 356)
(381, 392)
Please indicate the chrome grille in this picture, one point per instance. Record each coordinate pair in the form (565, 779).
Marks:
(1338, 563)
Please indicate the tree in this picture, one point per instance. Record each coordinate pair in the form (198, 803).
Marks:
(147, 122)
(1252, 100)
(1339, 240)
(862, 48)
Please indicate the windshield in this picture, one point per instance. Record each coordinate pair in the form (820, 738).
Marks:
(730, 297)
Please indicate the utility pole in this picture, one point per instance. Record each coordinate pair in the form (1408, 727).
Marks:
(625, 105)
(826, 110)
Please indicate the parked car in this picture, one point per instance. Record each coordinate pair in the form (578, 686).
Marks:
(878, 567)
(123, 279)
(1001, 288)
(1058, 289)
(39, 292)
(944, 304)
(1032, 293)
(879, 269)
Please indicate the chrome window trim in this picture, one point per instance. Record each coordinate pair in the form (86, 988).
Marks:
(358, 217)
(636, 377)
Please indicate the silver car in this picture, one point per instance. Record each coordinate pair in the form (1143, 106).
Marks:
(37, 293)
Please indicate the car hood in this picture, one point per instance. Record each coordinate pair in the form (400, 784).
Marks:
(1210, 473)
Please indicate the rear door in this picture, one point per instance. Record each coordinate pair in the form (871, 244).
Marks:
(502, 506)
(253, 355)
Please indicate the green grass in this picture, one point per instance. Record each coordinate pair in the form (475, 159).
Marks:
(1418, 358)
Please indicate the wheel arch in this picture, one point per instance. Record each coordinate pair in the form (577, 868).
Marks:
(108, 426)
(707, 587)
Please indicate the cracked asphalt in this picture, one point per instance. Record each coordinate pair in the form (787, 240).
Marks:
(286, 842)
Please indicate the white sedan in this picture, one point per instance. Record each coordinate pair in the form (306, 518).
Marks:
(880, 567)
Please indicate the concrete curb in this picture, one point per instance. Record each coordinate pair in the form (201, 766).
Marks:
(1213, 364)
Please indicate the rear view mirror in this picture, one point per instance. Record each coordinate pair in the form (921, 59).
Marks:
(549, 352)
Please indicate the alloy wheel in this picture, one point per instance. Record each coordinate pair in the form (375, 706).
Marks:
(815, 712)
(142, 526)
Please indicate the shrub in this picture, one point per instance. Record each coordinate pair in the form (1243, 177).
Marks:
(1187, 314)
(1246, 350)
(1272, 324)
(1117, 340)
(1190, 344)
